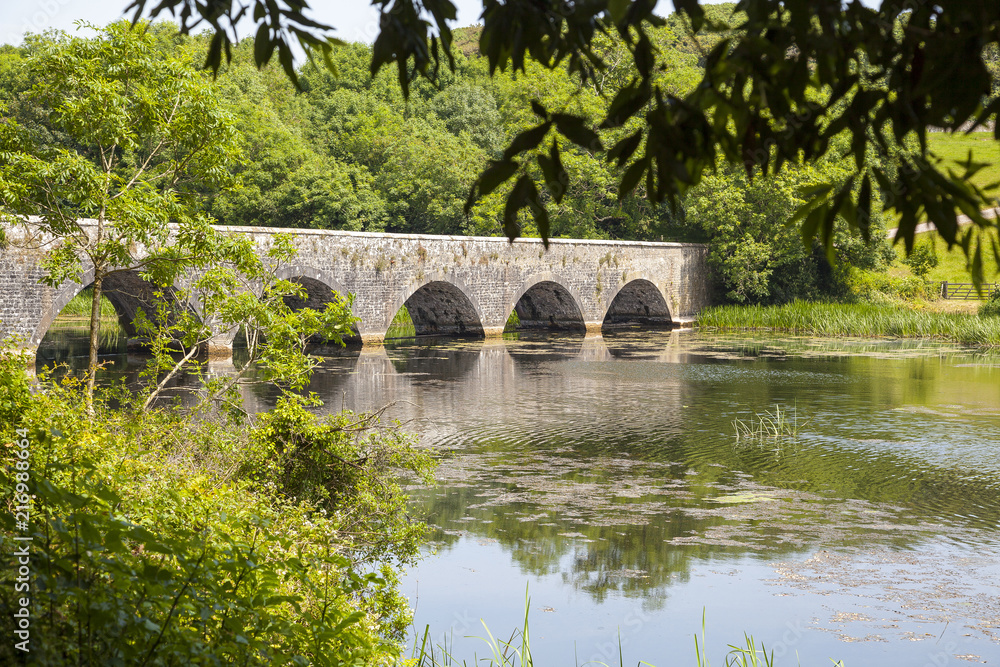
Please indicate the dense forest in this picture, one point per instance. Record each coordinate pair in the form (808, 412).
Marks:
(347, 151)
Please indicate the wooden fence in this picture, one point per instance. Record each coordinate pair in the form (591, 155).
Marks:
(967, 291)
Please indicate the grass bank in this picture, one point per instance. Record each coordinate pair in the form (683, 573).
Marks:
(867, 320)
(79, 307)
(954, 149)
(952, 266)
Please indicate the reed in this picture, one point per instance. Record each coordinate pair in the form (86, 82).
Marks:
(516, 652)
(866, 320)
(767, 425)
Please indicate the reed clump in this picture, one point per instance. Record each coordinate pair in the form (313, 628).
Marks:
(855, 319)
(769, 426)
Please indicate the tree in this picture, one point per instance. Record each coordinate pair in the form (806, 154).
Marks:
(779, 85)
(143, 133)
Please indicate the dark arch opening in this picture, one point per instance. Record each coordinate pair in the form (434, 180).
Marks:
(67, 338)
(440, 308)
(549, 306)
(130, 294)
(638, 303)
(318, 295)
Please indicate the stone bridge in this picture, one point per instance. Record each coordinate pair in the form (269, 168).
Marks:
(451, 285)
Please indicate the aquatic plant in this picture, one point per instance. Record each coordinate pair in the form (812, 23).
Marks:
(749, 655)
(768, 425)
(516, 651)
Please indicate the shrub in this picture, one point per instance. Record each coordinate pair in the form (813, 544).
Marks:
(881, 288)
(991, 307)
(152, 545)
(922, 259)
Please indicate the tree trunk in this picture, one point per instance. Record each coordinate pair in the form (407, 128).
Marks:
(95, 330)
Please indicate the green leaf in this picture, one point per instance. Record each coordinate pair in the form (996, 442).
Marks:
(556, 177)
(539, 212)
(497, 174)
(213, 60)
(631, 177)
(516, 200)
(575, 129)
(263, 47)
(527, 140)
(624, 149)
(864, 217)
(617, 9)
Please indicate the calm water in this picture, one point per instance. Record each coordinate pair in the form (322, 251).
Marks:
(602, 477)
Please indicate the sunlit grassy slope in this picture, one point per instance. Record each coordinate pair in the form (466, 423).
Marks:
(953, 149)
(951, 263)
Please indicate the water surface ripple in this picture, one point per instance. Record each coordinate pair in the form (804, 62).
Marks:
(605, 475)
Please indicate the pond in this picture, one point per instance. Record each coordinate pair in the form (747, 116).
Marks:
(602, 477)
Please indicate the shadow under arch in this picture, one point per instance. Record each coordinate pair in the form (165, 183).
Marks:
(638, 302)
(442, 306)
(320, 289)
(127, 291)
(546, 303)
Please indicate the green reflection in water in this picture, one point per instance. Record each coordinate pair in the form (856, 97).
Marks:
(613, 462)
(621, 474)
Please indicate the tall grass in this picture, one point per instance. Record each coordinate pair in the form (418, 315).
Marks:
(837, 319)
(402, 324)
(79, 307)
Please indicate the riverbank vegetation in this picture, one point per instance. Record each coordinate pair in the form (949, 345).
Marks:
(855, 319)
(172, 536)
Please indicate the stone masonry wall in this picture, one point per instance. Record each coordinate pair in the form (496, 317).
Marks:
(472, 283)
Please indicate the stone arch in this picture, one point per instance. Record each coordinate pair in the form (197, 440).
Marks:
(127, 291)
(319, 286)
(311, 279)
(545, 301)
(63, 295)
(639, 301)
(440, 304)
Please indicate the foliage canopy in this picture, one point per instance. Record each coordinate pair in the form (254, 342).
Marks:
(781, 81)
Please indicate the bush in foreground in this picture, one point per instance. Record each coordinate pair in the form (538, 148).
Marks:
(161, 539)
